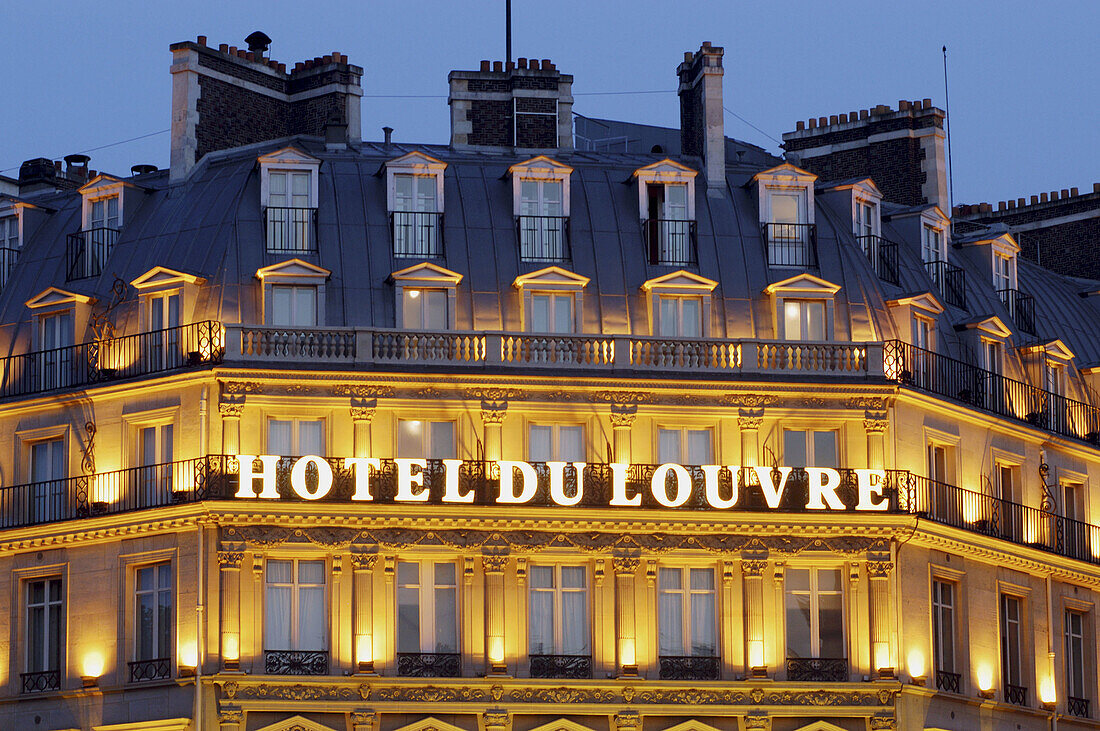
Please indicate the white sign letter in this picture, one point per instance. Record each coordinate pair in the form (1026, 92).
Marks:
(298, 477)
(361, 467)
(266, 476)
(870, 485)
(659, 485)
(710, 473)
(451, 471)
(772, 494)
(528, 478)
(618, 487)
(406, 479)
(557, 483)
(823, 482)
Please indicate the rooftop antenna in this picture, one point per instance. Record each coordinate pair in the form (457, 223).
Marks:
(508, 31)
(950, 167)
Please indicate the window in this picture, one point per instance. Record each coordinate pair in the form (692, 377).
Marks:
(943, 632)
(1002, 272)
(424, 309)
(687, 624)
(866, 219)
(154, 460)
(103, 213)
(288, 192)
(924, 331)
(153, 613)
(9, 232)
(815, 614)
(425, 439)
(669, 227)
(680, 317)
(1075, 654)
(294, 605)
(45, 621)
(554, 442)
(787, 208)
(48, 475)
(552, 313)
(164, 310)
(53, 364)
(427, 607)
(994, 392)
(163, 348)
(1075, 531)
(558, 618)
(941, 468)
(804, 320)
(415, 216)
(293, 306)
(685, 446)
(541, 220)
(296, 437)
(932, 244)
(803, 448)
(1011, 649)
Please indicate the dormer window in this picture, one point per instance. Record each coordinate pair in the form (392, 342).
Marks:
(680, 304)
(414, 184)
(540, 194)
(666, 201)
(785, 194)
(1004, 271)
(933, 247)
(803, 308)
(9, 246)
(426, 295)
(551, 300)
(866, 218)
(105, 203)
(58, 315)
(103, 213)
(293, 294)
(288, 194)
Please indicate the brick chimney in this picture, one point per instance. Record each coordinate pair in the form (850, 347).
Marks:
(527, 105)
(702, 130)
(903, 150)
(227, 97)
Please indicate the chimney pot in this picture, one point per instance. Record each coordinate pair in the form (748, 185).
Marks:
(202, 40)
(326, 60)
(799, 126)
(844, 118)
(688, 56)
(926, 103)
(485, 65)
(864, 114)
(546, 65)
(1073, 192)
(833, 119)
(903, 106)
(813, 123)
(1021, 202)
(282, 68)
(57, 165)
(142, 169)
(308, 63)
(498, 66)
(249, 55)
(853, 116)
(316, 60)
(1001, 205)
(510, 67)
(1035, 199)
(258, 43)
(1054, 195)
(1042, 197)
(1065, 192)
(1096, 187)
(232, 50)
(706, 45)
(1011, 205)
(822, 122)
(223, 47)
(92, 174)
(387, 133)
(521, 62)
(534, 64)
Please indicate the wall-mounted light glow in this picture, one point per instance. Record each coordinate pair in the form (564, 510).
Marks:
(188, 655)
(916, 666)
(496, 649)
(756, 654)
(91, 668)
(364, 653)
(1048, 694)
(626, 652)
(231, 650)
(413, 293)
(984, 676)
(883, 664)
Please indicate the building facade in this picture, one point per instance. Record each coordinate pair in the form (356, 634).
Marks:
(528, 432)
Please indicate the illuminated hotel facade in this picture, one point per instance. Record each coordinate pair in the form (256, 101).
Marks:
(613, 428)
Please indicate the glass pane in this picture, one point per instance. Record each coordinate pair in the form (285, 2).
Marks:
(831, 625)
(563, 313)
(403, 192)
(794, 448)
(446, 620)
(571, 443)
(410, 309)
(311, 572)
(408, 573)
(408, 618)
(669, 579)
(539, 446)
(277, 617)
(280, 437)
(702, 623)
(702, 579)
(676, 201)
(784, 208)
(574, 622)
(669, 325)
(699, 447)
(815, 320)
(798, 624)
(692, 318)
(425, 193)
(312, 626)
(280, 572)
(311, 437)
(551, 198)
(542, 577)
(668, 445)
(305, 306)
(540, 313)
(444, 574)
(410, 439)
(828, 580)
(435, 309)
(792, 320)
(443, 440)
(825, 449)
(670, 630)
(281, 306)
(573, 577)
(529, 193)
(145, 579)
(798, 579)
(164, 576)
(541, 622)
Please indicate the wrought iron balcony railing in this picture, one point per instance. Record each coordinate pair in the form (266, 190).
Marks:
(817, 669)
(296, 662)
(143, 670)
(670, 242)
(40, 682)
(790, 244)
(1021, 307)
(883, 255)
(143, 354)
(543, 238)
(561, 666)
(1016, 694)
(86, 252)
(429, 664)
(689, 667)
(417, 234)
(989, 391)
(1077, 707)
(950, 281)
(949, 682)
(8, 257)
(291, 230)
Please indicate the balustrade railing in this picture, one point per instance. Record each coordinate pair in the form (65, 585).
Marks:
(689, 667)
(291, 230)
(950, 280)
(543, 238)
(85, 364)
(417, 234)
(817, 669)
(572, 667)
(296, 662)
(86, 252)
(40, 682)
(949, 682)
(429, 664)
(157, 669)
(1077, 707)
(883, 255)
(1016, 694)
(790, 244)
(670, 242)
(989, 391)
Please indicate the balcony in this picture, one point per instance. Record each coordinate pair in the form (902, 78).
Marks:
(790, 244)
(86, 252)
(8, 257)
(296, 662)
(1016, 694)
(992, 392)
(144, 670)
(96, 362)
(342, 347)
(670, 242)
(543, 238)
(689, 667)
(1021, 308)
(572, 667)
(417, 234)
(40, 682)
(1077, 707)
(950, 281)
(948, 682)
(291, 231)
(429, 664)
(817, 669)
(883, 255)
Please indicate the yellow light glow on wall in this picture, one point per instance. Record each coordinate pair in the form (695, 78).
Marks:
(188, 655)
(496, 650)
(92, 665)
(984, 676)
(105, 488)
(364, 648)
(756, 653)
(1047, 692)
(916, 663)
(231, 646)
(626, 652)
(882, 656)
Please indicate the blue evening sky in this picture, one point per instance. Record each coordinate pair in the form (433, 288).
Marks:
(1024, 75)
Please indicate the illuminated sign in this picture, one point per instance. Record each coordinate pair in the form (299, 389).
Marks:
(508, 482)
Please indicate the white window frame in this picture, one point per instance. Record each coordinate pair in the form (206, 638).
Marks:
(11, 229)
(941, 638)
(802, 287)
(804, 319)
(938, 229)
(1007, 279)
(923, 332)
(679, 284)
(1081, 655)
(681, 321)
(427, 445)
(426, 604)
(815, 593)
(294, 620)
(292, 272)
(686, 592)
(418, 164)
(419, 297)
(809, 442)
(1012, 668)
(288, 160)
(684, 432)
(295, 432)
(45, 606)
(555, 438)
(425, 275)
(293, 290)
(666, 172)
(558, 591)
(166, 633)
(865, 195)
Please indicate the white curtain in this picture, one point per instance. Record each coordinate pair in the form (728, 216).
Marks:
(574, 611)
(408, 606)
(279, 439)
(540, 619)
(446, 608)
(702, 613)
(277, 605)
(443, 440)
(311, 437)
(670, 612)
(571, 444)
(699, 449)
(668, 445)
(312, 627)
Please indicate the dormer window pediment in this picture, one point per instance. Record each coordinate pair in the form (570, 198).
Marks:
(106, 202)
(990, 325)
(785, 198)
(56, 297)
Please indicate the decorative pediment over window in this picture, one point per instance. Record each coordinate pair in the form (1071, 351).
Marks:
(426, 297)
(103, 184)
(989, 324)
(163, 277)
(803, 285)
(562, 724)
(540, 200)
(666, 172)
(803, 308)
(541, 167)
(288, 156)
(295, 723)
(925, 301)
(551, 277)
(102, 187)
(691, 725)
(1054, 349)
(538, 289)
(680, 282)
(1003, 242)
(292, 270)
(430, 724)
(54, 297)
(426, 274)
(288, 160)
(785, 180)
(414, 163)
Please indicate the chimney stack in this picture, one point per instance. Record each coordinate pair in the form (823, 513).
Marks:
(702, 130)
(76, 167)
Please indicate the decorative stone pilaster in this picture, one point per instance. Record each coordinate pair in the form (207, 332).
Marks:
(362, 416)
(878, 574)
(753, 567)
(230, 719)
(628, 721)
(363, 720)
(231, 408)
(749, 422)
(496, 719)
(363, 603)
(622, 418)
(493, 565)
(492, 418)
(875, 424)
(229, 589)
(626, 569)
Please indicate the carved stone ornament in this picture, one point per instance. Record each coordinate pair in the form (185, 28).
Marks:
(362, 720)
(494, 564)
(875, 423)
(757, 721)
(749, 400)
(360, 390)
(871, 403)
(362, 413)
(493, 412)
(495, 393)
(623, 415)
(230, 559)
(363, 561)
(234, 690)
(750, 423)
(754, 567)
(496, 718)
(627, 720)
(625, 565)
(241, 387)
(231, 409)
(884, 722)
(879, 569)
(623, 397)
